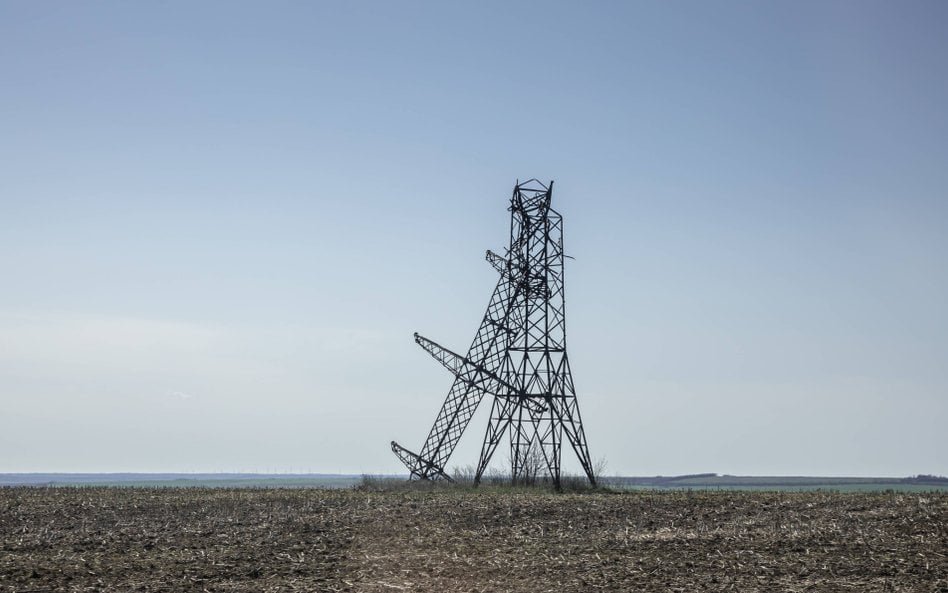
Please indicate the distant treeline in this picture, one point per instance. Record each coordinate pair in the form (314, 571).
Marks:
(713, 480)
(925, 479)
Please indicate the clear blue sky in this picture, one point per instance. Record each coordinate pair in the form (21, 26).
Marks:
(221, 222)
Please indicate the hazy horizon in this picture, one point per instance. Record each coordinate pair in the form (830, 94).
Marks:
(221, 223)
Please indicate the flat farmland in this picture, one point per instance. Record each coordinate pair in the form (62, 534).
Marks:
(192, 539)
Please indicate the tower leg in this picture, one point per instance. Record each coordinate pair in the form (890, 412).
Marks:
(500, 417)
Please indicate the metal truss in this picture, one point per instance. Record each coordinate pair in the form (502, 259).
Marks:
(518, 357)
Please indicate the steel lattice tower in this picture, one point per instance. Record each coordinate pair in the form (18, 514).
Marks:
(518, 356)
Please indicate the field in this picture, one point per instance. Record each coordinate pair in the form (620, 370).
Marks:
(197, 539)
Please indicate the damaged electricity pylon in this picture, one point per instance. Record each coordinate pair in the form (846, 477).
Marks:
(518, 357)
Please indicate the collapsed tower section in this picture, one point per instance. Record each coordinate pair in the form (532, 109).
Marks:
(518, 358)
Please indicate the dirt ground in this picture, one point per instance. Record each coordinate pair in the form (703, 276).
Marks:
(111, 539)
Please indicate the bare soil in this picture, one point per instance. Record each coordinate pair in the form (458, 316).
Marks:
(112, 539)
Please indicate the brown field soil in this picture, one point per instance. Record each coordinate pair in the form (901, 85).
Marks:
(111, 539)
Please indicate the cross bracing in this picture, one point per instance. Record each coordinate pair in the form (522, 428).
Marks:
(518, 356)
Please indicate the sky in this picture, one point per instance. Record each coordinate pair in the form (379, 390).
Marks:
(221, 222)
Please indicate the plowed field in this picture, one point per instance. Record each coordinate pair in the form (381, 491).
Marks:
(111, 539)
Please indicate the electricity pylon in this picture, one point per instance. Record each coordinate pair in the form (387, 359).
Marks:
(518, 356)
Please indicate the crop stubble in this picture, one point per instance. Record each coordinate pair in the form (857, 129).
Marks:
(97, 539)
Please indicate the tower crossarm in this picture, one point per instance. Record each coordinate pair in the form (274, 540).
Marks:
(499, 262)
(451, 360)
(476, 375)
(419, 467)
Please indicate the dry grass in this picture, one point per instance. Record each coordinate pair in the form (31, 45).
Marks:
(97, 539)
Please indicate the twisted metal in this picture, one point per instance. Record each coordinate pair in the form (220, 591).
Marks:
(518, 356)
